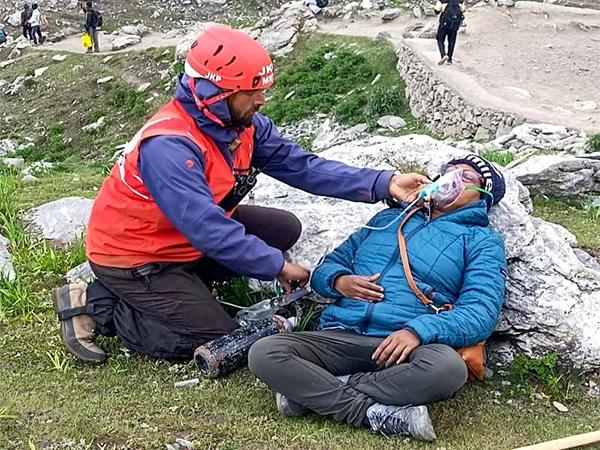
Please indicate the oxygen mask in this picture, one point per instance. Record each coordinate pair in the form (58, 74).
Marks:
(444, 191)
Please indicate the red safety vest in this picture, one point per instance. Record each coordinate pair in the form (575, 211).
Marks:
(127, 228)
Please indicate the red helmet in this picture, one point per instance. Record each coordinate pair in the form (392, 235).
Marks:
(230, 59)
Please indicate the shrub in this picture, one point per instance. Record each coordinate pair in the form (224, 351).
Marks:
(593, 143)
(386, 101)
(543, 372)
(130, 102)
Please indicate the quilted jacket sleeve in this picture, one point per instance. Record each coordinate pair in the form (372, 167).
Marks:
(477, 309)
(339, 262)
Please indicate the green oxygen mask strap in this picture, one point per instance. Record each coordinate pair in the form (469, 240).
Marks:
(478, 189)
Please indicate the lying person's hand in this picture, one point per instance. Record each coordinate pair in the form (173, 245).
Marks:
(396, 348)
(293, 272)
(406, 187)
(359, 287)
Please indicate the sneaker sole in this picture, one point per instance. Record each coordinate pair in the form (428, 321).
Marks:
(62, 301)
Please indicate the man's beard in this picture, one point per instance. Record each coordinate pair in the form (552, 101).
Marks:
(245, 121)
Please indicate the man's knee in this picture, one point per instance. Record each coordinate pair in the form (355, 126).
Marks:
(447, 367)
(292, 228)
(266, 353)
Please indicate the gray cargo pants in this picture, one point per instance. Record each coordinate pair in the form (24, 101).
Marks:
(303, 367)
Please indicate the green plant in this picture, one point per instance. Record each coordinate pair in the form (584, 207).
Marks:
(29, 82)
(500, 158)
(129, 102)
(543, 372)
(59, 360)
(592, 210)
(593, 143)
(96, 113)
(386, 101)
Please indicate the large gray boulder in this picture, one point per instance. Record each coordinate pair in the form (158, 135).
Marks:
(559, 175)
(553, 298)
(279, 32)
(7, 270)
(125, 40)
(63, 221)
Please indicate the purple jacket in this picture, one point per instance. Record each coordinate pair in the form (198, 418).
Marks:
(184, 196)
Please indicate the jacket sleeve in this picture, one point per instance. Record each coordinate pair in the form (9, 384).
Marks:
(173, 171)
(288, 162)
(477, 309)
(337, 263)
(88, 20)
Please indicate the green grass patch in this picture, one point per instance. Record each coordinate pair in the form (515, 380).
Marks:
(500, 158)
(540, 373)
(333, 75)
(593, 143)
(67, 97)
(577, 216)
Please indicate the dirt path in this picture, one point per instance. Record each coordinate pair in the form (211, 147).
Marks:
(538, 60)
(72, 44)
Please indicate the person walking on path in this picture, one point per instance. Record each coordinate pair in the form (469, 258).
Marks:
(451, 17)
(25, 16)
(36, 25)
(91, 26)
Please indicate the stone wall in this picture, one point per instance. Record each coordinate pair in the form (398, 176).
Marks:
(442, 109)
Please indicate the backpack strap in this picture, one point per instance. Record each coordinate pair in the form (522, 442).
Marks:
(407, 271)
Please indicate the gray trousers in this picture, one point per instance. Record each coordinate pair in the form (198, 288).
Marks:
(94, 35)
(303, 366)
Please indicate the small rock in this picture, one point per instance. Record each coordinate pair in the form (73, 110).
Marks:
(539, 396)
(381, 36)
(417, 11)
(107, 59)
(59, 58)
(506, 383)
(144, 87)
(376, 79)
(506, 3)
(185, 444)
(391, 122)
(6, 63)
(39, 72)
(125, 40)
(95, 126)
(13, 162)
(170, 447)
(187, 383)
(30, 179)
(589, 105)
(289, 95)
(104, 80)
(594, 390)
(390, 14)
(560, 407)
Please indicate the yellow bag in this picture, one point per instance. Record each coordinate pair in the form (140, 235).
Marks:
(86, 40)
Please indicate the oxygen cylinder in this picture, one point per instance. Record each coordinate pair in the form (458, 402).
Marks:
(230, 352)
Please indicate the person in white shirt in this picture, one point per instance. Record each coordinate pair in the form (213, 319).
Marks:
(35, 22)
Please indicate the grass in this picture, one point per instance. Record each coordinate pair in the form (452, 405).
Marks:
(67, 97)
(575, 215)
(593, 143)
(500, 158)
(334, 75)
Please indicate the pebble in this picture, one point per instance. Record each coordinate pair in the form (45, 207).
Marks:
(185, 444)
(560, 407)
(187, 383)
(104, 80)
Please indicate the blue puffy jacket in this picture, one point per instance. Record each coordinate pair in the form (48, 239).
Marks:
(455, 259)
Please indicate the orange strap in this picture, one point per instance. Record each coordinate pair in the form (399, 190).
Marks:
(407, 271)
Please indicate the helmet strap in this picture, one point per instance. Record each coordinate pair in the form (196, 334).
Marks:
(204, 104)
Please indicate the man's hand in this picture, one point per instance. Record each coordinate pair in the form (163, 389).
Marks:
(359, 287)
(293, 272)
(396, 348)
(406, 187)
